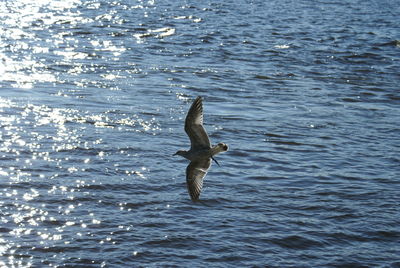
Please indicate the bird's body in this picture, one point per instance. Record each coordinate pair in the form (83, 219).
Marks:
(198, 154)
(201, 152)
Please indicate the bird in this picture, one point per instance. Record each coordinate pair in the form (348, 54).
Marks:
(201, 152)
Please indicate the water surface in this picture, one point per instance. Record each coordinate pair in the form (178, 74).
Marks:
(93, 96)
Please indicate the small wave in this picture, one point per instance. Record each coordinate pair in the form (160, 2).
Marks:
(297, 242)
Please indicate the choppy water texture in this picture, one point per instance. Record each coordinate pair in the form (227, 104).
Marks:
(92, 102)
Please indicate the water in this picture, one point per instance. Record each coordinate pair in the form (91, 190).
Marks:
(92, 104)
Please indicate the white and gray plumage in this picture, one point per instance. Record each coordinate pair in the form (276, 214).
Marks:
(201, 152)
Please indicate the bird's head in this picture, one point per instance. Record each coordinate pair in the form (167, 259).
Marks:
(181, 153)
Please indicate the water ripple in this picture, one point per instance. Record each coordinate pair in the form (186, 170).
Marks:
(92, 105)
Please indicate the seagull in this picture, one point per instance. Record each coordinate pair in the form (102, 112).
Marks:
(201, 152)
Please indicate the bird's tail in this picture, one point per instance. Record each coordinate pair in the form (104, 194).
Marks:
(219, 148)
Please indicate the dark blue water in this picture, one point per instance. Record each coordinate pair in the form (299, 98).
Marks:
(93, 96)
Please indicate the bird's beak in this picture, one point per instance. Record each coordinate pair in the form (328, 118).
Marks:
(174, 154)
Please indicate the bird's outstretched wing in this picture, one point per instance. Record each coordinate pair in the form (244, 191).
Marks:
(194, 126)
(195, 172)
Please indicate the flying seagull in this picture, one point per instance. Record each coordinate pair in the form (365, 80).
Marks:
(201, 152)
